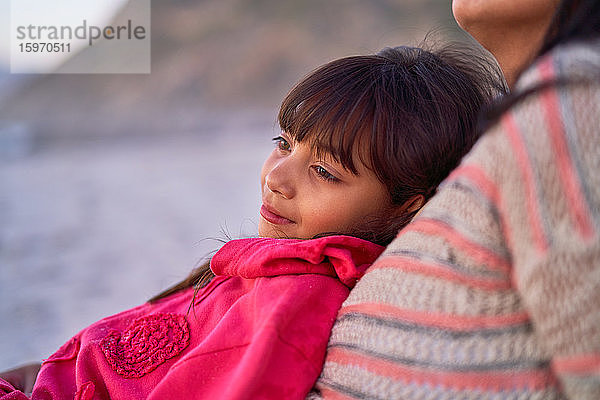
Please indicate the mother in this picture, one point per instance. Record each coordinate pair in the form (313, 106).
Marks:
(494, 290)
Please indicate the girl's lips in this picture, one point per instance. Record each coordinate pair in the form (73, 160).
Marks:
(272, 217)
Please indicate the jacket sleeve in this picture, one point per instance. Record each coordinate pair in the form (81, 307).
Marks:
(8, 392)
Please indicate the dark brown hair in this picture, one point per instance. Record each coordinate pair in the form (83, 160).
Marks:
(573, 20)
(415, 110)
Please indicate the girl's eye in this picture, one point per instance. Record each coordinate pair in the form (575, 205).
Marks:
(324, 174)
(281, 143)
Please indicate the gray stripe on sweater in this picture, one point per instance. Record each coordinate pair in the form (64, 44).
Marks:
(525, 327)
(348, 391)
(367, 386)
(534, 150)
(568, 106)
(512, 365)
(459, 185)
(478, 237)
(490, 274)
(482, 350)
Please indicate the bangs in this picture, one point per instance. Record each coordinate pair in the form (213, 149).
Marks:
(333, 110)
(406, 114)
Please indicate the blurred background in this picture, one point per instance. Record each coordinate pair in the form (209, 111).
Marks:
(112, 187)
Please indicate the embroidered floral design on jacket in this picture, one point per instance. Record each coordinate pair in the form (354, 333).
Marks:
(147, 343)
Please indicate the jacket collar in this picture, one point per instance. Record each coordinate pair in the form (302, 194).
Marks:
(339, 256)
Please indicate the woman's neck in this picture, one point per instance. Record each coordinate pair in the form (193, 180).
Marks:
(514, 49)
(513, 33)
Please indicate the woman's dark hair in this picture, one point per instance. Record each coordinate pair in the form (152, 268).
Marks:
(415, 110)
(573, 20)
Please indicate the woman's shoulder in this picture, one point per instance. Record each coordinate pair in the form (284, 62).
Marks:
(571, 62)
(555, 113)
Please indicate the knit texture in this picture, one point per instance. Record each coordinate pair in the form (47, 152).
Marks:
(493, 292)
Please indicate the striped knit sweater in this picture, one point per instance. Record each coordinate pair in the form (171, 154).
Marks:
(493, 292)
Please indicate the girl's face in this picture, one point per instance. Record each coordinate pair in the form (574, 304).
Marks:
(304, 195)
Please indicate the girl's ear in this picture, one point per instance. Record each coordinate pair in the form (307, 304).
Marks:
(411, 205)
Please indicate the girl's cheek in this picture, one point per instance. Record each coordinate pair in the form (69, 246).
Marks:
(327, 219)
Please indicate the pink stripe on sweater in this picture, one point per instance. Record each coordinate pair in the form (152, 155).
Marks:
(474, 174)
(407, 264)
(491, 381)
(331, 394)
(571, 185)
(535, 220)
(433, 319)
(476, 251)
(587, 364)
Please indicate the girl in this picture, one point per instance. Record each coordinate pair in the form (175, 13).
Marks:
(503, 264)
(365, 141)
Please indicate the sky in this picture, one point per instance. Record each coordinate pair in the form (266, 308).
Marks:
(59, 10)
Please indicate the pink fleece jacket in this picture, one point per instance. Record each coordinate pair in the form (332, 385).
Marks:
(259, 330)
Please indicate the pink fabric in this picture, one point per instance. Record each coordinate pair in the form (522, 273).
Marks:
(259, 330)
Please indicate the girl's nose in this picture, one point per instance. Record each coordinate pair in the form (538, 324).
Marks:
(279, 180)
